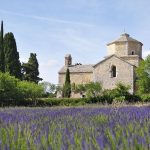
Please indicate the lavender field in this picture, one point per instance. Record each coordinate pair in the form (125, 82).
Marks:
(75, 128)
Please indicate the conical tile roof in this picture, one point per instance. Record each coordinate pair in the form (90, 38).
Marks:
(124, 38)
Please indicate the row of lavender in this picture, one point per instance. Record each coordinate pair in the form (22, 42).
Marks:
(75, 128)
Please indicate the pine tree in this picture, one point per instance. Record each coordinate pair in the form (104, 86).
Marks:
(2, 63)
(67, 85)
(30, 69)
(12, 63)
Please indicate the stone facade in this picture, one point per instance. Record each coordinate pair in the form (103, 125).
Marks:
(124, 55)
(124, 73)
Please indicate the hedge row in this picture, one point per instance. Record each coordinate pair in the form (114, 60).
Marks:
(71, 101)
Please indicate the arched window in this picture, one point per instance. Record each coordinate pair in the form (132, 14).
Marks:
(132, 53)
(113, 71)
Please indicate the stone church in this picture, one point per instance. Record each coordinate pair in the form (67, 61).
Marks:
(123, 56)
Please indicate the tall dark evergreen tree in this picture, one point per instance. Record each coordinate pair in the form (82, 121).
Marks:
(12, 63)
(67, 85)
(30, 69)
(2, 62)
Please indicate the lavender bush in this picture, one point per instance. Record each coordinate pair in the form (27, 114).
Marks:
(75, 128)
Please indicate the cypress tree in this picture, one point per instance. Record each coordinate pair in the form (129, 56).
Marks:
(30, 69)
(2, 62)
(12, 63)
(67, 85)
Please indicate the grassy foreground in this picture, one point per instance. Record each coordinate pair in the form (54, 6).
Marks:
(75, 128)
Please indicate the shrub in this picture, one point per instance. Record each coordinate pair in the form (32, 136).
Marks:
(30, 90)
(13, 90)
(108, 95)
(119, 99)
(133, 98)
(145, 97)
(121, 89)
(92, 89)
(8, 87)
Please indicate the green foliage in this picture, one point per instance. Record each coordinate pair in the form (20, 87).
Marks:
(119, 99)
(2, 57)
(30, 69)
(63, 101)
(73, 87)
(133, 98)
(109, 95)
(120, 92)
(80, 88)
(8, 87)
(75, 129)
(12, 89)
(22, 93)
(12, 63)
(30, 90)
(49, 89)
(67, 85)
(143, 74)
(92, 89)
(121, 89)
(145, 97)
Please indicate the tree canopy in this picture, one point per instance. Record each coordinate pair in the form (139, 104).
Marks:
(67, 85)
(2, 57)
(12, 63)
(91, 89)
(31, 69)
(143, 76)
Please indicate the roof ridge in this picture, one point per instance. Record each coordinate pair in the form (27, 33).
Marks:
(77, 68)
(110, 57)
(124, 38)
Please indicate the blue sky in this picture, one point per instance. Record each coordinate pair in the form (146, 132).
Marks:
(82, 28)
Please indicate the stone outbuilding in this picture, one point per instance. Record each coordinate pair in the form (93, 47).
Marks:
(124, 55)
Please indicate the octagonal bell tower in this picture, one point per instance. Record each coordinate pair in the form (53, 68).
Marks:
(126, 48)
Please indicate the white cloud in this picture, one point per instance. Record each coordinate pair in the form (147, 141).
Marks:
(48, 19)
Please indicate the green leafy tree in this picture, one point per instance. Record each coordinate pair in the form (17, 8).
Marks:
(67, 85)
(80, 88)
(30, 90)
(14, 89)
(121, 89)
(31, 69)
(93, 89)
(143, 76)
(8, 87)
(12, 63)
(119, 93)
(2, 63)
(49, 89)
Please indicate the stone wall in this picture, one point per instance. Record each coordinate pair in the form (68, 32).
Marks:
(125, 48)
(136, 47)
(125, 73)
(77, 78)
(132, 59)
(111, 49)
(119, 49)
